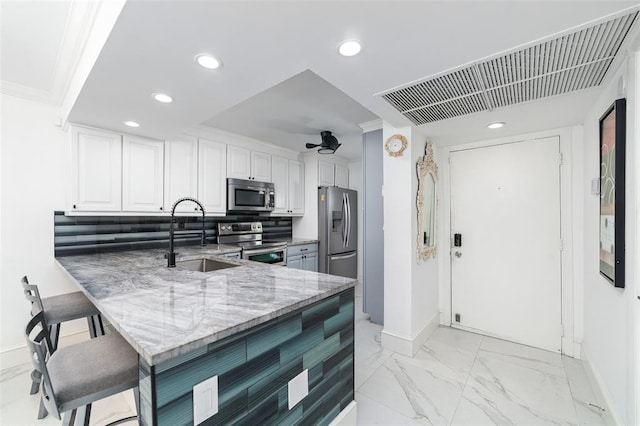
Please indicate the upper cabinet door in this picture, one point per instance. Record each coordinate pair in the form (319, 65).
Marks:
(325, 173)
(342, 176)
(97, 170)
(180, 173)
(212, 173)
(280, 175)
(142, 174)
(238, 162)
(296, 187)
(260, 166)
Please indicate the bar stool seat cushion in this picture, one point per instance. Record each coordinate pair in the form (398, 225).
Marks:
(67, 307)
(88, 371)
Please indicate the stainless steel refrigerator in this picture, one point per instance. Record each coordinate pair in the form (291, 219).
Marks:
(338, 231)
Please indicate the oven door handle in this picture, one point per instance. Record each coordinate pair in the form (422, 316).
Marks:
(253, 252)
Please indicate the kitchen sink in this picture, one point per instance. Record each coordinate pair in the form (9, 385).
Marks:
(204, 265)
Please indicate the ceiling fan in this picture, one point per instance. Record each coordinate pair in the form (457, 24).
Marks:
(329, 143)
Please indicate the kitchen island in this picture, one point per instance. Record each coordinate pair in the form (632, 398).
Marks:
(253, 326)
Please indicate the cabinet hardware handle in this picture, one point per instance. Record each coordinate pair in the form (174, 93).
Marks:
(304, 249)
(160, 207)
(74, 206)
(196, 209)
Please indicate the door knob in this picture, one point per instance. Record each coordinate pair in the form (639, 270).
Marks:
(458, 254)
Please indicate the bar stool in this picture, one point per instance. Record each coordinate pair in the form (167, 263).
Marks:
(59, 309)
(76, 376)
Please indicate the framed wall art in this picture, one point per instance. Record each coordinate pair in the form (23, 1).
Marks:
(612, 186)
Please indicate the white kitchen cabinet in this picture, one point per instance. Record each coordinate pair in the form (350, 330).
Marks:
(303, 256)
(97, 170)
(326, 173)
(243, 163)
(288, 180)
(212, 174)
(142, 174)
(330, 174)
(180, 173)
(238, 162)
(260, 166)
(280, 175)
(296, 188)
(341, 176)
(294, 262)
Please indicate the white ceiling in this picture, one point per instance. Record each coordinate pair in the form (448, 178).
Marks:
(265, 43)
(295, 112)
(40, 45)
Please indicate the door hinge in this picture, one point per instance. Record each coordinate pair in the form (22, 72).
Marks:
(561, 158)
(561, 245)
(561, 330)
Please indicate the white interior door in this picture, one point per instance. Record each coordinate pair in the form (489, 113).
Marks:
(506, 275)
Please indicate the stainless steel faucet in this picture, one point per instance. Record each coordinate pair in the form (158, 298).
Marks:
(171, 256)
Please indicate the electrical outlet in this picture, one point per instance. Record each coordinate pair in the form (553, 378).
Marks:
(205, 400)
(298, 388)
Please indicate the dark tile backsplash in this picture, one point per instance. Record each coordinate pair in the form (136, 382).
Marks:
(101, 234)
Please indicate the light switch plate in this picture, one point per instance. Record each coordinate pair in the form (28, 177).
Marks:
(298, 388)
(595, 186)
(205, 400)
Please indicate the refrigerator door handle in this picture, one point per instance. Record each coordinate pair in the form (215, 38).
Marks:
(344, 220)
(345, 256)
(348, 220)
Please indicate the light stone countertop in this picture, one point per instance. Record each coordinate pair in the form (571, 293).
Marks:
(165, 312)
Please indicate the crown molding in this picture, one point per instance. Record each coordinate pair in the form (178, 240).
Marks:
(370, 126)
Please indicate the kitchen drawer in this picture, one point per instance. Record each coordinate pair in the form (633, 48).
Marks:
(234, 255)
(302, 249)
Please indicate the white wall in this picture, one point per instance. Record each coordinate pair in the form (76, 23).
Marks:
(35, 164)
(609, 326)
(410, 289)
(355, 183)
(425, 277)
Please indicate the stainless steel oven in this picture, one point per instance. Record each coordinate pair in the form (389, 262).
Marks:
(248, 236)
(266, 253)
(250, 196)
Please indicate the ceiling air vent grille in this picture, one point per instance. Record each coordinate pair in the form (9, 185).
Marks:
(575, 61)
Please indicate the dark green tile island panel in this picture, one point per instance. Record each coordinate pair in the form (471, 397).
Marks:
(254, 368)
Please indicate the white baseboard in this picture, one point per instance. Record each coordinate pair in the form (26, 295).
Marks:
(409, 346)
(347, 417)
(17, 355)
(577, 350)
(599, 387)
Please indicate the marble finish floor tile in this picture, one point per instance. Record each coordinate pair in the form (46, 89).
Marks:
(503, 392)
(406, 386)
(371, 412)
(587, 406)
(526, 356)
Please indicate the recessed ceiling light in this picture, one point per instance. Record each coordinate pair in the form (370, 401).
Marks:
(208, 62)
(350, 47)
(496, 125)
(162, 97)
(131, 124)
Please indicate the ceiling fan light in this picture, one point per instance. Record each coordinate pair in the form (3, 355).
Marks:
(326, 151)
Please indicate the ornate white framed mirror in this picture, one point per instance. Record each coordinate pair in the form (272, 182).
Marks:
(426, 203)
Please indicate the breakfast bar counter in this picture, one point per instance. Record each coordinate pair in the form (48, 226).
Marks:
(253, 326)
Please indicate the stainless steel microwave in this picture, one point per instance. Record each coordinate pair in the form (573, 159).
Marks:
(249, 196)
